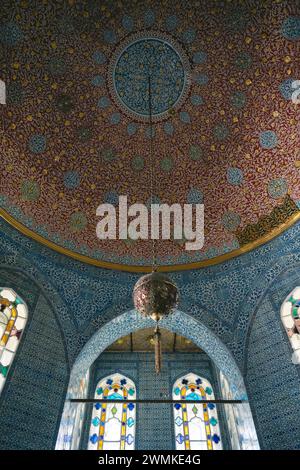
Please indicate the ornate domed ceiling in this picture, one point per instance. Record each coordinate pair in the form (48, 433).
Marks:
(76, 124)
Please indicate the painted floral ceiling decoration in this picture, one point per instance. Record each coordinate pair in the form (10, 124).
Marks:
(75, 130)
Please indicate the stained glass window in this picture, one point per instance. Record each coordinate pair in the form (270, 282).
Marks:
(13, 316)
(290, 316)
(113, 424)
(196, 424)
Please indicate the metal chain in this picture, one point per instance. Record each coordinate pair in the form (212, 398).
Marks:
(154, 260)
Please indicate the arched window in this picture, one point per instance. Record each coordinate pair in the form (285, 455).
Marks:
(290, 316)
(13, 317)
(196, 424)
(113, 424)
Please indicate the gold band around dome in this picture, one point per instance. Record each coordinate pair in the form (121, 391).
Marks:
(145, 269)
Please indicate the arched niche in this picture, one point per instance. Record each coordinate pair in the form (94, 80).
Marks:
(131, 321)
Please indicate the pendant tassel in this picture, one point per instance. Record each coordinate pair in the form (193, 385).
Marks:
(157, 348)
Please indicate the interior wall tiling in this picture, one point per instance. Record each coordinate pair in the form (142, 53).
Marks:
(272, 379)
(33, 396)
(223, 298)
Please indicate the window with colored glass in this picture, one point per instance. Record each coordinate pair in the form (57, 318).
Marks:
(290, 316)
(13, 317)
(113, 424)
(196, 421)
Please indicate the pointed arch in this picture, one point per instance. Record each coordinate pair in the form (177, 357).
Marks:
(131, 321)
(180, 323)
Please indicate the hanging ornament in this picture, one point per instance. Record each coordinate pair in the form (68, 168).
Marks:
(154, 295)
(157, 348)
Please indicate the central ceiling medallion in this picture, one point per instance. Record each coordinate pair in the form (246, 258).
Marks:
(135, 60)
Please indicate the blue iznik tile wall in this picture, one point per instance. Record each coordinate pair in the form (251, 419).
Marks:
(238, 301)
(273, 381)
(155, 427)
(33, 396)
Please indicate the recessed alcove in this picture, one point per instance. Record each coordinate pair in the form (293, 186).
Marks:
(125, 370)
